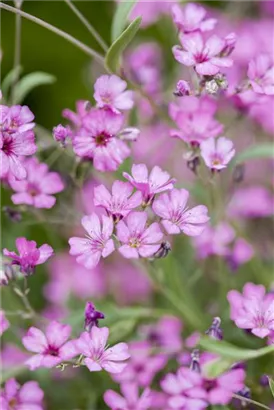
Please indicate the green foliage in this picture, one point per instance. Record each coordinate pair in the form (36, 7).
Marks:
(116, 49)
(29, 82)
(271, 385)
(123, 10)
(256, 151)
(9, 80)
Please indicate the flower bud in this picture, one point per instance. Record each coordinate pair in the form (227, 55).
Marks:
(129, 134)
(182, 88)
(92, 316)
(60, 133)
(215, 332)
(193, 164)
(211, 86)
(195, 361)
(238, 173)
(230, 41)
(12, 214)
(163, 251)
(7, 274)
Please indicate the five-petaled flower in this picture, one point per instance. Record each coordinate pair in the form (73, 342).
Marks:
(130, 399)
(110, 93)
(97, 243)
(191, 18)
(217, 153)
(29, 396)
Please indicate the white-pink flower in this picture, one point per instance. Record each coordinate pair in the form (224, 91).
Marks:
(110, 93)
(204, 56)
(253, 309)
(149, 184)
(176, 217)
(130, 399)
(98, 356)
(97, 243)
(261, 74)
(137, 239)
(217, 153)
(120, 201)
(191, 18)
(51, 347)
(4, 323)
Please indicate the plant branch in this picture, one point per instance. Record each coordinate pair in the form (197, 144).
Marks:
(17, 52)
(89, 51)
(87, 24)
(237, 396)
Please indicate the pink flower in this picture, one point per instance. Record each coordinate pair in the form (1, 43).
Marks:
(142, 366)
(4, 323)
(191, 18)
(29, 255)
(138, 240)
(214, 241)
(16, 119)
(241, 253)
(39, 186)
(176, 217)
(185, 390)
(29, 396)
(98, 356)
(205, 57)
(12, 147)
(77, 118)
(149, 185)
(253, 309)
(99, 140)
(110, 93)
(261, 74)
(217, 154)
(195, 119)
(182, 88)
(220, 390)
(61, 133)
(251, 202)
(51, 348)
(130, 399)
(96, 244)
(120, 202)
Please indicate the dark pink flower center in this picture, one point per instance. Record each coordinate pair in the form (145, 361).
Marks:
(8, 145)
(52, 351)
(33, 189)
(13, 403)
(102, 139)
(210, 384)
(201, 57)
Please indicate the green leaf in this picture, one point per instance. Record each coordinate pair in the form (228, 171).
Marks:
(271, 385)
(29, 82)
(9, 80)
(121, 330)
(217, 366)
(119, 45)
(265, 150)
(120, 18)
(230, 352)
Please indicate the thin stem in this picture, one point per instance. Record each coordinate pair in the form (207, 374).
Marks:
(17, 51)
(87, 24)
(89, 51)
(237, 396)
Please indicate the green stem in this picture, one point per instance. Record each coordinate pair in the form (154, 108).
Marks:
(17, 52)
(237, 396)
(87, 24)
(89, 51)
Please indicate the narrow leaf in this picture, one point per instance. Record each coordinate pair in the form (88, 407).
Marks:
(9, 80)
(120, 18)
(271, 385)
(116, 49)
(265, 150)
(216, 367)
(121, 330)
(228, 351)
(29, 82)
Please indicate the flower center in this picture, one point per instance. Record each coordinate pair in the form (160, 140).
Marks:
(12, 403)
(52, 351)
(102, 139)
(201, 57)
(33, 189)
(210, 384)
(134, 243)
(7, 145)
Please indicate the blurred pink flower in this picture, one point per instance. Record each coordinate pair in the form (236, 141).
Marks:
(137, 240)
(241, 253)
(261, 74)
(12, 356)
(120, 202)
(39, 186)
(51, 348)
(29, 396)
(149, 184)
(251, 202)
(29, 255)
(204, 56)
(254, 309)
(150, 11)
(214, 241)
(130, 399)
(191, 18)
(182, 88)
(12, 148)
(61, 133)
(99, 141)
(217, 153)
(16, 119)
(143, 364)
(110, 93)
(77, 118)
(98, 356)
(176, 217)
(4, 323)
(98, 242)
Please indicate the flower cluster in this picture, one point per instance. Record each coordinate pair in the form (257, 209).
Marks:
(135, 236)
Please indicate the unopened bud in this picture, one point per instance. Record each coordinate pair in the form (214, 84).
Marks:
(92, 316)
(12, 214)
(163, 251)
(215, 331)
(7, 274)
(221, 80)
(195, 361)
(193, 164)
(230, 41)
(182, 88)
(129, 134)
(61, 133)
(238, 173)
(211, 87)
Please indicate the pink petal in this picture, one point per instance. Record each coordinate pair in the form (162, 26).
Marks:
(128, 252)
(57, 333)
(114, 400)
(46, 252)
(31, 392)
(35, 340)
(92, 365)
